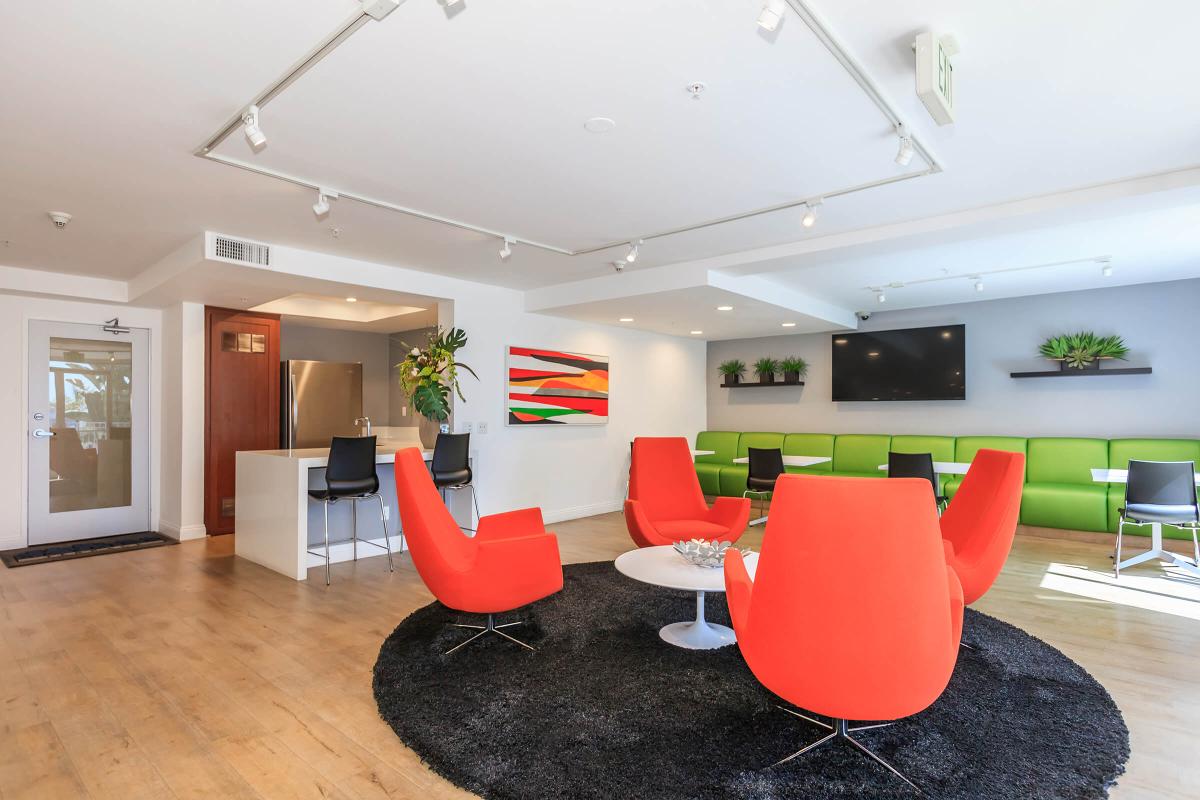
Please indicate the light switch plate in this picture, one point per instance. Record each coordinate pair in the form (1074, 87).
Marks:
(481, 428)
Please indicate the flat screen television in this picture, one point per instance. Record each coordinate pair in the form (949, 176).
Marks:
(909, 364)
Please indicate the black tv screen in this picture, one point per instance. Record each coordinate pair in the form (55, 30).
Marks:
(910, 364)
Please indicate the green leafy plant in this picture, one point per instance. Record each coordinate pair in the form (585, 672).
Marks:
(1081, 350)
(429, 375)
(766, 367)
(733, 368)
(793, 364)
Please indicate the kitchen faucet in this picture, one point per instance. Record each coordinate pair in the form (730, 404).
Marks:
(366, 420)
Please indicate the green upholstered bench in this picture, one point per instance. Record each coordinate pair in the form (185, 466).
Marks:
(859, 455)
(1059, 490)
(810, 444)
(965, 448)
(708, 468)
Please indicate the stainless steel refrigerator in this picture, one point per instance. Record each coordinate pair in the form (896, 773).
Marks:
(321, 399)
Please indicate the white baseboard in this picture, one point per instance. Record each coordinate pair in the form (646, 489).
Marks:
(576, 512)
(184, 533)
(12, 543)
(344, 551)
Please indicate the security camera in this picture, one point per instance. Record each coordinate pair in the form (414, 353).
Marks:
(863, 316)
(619, 266)
(59, 218)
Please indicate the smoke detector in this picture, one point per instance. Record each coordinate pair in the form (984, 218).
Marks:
(59, 218)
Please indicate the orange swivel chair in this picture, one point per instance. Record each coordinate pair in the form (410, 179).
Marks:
(978, 526)
(510, 562)
(873, 645)
(665, 503)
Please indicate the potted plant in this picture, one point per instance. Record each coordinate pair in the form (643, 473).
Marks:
(766, 368)
(794, 368)
(429, 375)
(733, 370)
(1083, 350)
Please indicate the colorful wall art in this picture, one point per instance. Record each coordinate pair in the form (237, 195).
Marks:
(548, 387)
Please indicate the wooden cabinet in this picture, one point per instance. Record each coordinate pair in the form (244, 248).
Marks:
(241, 403)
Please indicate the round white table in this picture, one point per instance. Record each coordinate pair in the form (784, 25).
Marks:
(662, 566)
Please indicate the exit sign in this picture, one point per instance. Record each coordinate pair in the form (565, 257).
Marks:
(935, 75)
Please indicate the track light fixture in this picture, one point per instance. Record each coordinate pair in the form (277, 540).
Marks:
(250, 127)
(810, 213)
(632, 255)
(321, 207)
(979, 284)
(506, 248)
(904, 155)
(881, 298)
(1106, 268)
(771, 15)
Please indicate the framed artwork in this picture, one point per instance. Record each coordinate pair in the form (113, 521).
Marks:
(550, 387)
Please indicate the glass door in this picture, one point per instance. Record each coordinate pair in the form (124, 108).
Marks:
(88, 432)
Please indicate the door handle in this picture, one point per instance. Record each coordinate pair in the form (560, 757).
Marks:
(38, 433)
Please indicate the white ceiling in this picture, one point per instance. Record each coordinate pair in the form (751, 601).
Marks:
(480, 116)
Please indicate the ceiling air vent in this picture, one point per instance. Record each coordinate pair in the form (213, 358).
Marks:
(241, 251)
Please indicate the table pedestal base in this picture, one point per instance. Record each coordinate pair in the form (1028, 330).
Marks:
(699, 634)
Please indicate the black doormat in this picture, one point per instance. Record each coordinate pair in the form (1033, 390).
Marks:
(607, 709)
(64, 551)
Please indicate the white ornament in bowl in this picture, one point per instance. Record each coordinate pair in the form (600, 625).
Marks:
(703, 553)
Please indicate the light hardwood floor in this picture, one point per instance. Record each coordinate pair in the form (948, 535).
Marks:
(183, 672)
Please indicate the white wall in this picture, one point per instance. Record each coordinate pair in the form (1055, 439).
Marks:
(15, 314)
(1158, 321)
(182, 508)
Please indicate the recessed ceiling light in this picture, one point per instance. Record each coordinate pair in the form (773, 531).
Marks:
(351, 299)
(626, 319)
(724, 308)
(873, 354)
(789, 324)
(600, 125)
(696, 333)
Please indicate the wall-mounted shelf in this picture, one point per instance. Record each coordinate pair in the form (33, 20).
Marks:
(756, 384)
(1076, 373)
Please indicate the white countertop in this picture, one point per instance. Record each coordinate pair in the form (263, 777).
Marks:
(314, 457)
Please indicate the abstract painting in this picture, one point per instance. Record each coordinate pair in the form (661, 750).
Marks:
(549, 387)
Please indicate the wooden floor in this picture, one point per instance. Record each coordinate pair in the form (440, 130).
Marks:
(185, 672)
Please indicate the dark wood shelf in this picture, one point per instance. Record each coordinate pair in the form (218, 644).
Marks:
(1076, 373)
(756, 384)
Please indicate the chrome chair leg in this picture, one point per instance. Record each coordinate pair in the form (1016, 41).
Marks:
(386, 542)
(1117, 556)
(491, 627)
(475, 500)
(840, 729)
(326, 504)
(354, 526)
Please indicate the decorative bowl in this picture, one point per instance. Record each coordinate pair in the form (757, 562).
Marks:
(702, 553)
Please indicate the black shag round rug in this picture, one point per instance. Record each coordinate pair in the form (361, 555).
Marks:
(607, 709)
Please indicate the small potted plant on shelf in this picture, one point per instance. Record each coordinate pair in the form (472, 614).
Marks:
(766, 368)
(1083, 350)
(793, 368)
(733, 370)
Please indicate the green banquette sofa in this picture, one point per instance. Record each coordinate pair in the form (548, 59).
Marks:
(1059, 490)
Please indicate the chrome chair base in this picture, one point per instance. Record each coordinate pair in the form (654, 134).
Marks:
(840, 730)
(387, 543)
(491, 627)
(1156, 551)
(761, 520)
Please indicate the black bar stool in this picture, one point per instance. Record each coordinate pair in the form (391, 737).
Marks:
(350, 475)
(916, 465)
(451, 468)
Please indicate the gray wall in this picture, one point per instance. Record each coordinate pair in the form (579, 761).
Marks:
(327, 344)
(1159, 322)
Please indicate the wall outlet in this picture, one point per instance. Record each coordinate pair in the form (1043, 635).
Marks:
(466, 427)
(481, 428)
(404, 411)
(387, 513)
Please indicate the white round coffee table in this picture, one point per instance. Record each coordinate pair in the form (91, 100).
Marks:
(662, 566)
